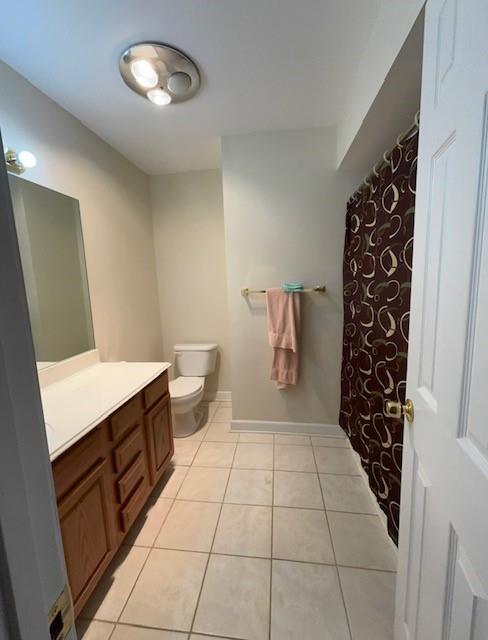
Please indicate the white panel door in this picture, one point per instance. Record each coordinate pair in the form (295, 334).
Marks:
(442, 590)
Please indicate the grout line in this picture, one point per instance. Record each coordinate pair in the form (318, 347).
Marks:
(271, 550)
(327, 473)
(211, 547)
(166, 629)
(334, 554)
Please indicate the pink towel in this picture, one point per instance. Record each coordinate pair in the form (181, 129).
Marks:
(284, 335)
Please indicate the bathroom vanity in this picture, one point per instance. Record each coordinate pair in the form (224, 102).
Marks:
(108, 424)
(110, 440)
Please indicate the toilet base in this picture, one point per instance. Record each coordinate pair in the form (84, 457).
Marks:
(184, 424)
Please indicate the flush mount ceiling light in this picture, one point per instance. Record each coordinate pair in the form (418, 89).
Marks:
(159, 73)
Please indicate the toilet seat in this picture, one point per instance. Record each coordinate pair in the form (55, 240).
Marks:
(185, 388)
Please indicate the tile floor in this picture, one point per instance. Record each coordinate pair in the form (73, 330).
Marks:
(251, 537)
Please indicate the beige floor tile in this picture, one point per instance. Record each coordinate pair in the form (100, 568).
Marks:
(370, 602)
(336, 460)
(330, 441)
(185, 451)
(220, 432)
(166, 593)
(204, 483)
(347, 493)
(283, 438)
(361, 541)
(257, 438)
(170, 483)
(197, 636)
(306, 603)
(223, 414)
(301, 534)
(93, 629)
(149, 522)
(199, 434)
(215, 454)
(110, 596)
(244, 530)
(293, 489)
(294, 458)
(254, 456)
(235, 598)
(190, 526)
(250, 486)
(226, 404)
(126, 632)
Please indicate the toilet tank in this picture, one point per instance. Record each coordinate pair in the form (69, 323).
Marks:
(195, 359)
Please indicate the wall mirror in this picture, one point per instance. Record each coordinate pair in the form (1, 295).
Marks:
(53, 261)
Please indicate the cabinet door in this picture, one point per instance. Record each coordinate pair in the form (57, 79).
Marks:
(86, 528)
(159, 437)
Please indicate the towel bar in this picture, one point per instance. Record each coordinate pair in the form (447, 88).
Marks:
(245, 291)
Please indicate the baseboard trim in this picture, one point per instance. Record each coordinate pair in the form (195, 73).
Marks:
(213, 396)
(307, 428)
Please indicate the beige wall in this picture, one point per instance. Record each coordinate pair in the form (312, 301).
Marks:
(115, 214)
(284, 205)
(190, 255)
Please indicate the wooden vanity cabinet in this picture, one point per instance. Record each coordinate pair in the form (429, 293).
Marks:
(104, 480)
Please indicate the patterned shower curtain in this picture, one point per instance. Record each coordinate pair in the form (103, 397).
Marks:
(377, 277)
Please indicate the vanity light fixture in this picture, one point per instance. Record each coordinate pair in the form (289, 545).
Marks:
(18, 162)
(161, 74)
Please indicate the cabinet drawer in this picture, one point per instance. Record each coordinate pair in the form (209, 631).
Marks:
(78, 460)
(155, 390)
(131, 510)
(128, 449)
(126, 417)
(134, 474)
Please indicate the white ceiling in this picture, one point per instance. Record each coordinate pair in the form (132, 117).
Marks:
(266, 64)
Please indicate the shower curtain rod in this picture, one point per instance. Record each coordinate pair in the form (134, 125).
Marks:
(387, 155)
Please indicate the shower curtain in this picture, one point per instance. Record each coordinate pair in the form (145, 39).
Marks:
(377, 276)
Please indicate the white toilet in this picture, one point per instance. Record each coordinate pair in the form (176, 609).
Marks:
(193, 363)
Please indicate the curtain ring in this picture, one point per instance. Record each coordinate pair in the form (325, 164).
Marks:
(417, 119)
(386, 158)
(375, 170)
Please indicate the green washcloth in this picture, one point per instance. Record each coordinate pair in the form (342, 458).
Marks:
(290, 287)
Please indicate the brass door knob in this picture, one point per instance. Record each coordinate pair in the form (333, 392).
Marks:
(397, 410)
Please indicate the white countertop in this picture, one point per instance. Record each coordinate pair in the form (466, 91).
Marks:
(75, 405)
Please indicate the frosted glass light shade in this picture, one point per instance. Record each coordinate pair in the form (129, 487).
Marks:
(28, 159)
(159, 97)
(144, 73)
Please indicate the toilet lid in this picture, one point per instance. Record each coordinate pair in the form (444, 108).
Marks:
(184, 386)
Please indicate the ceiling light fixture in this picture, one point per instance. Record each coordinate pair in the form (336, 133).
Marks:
(159, 73)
